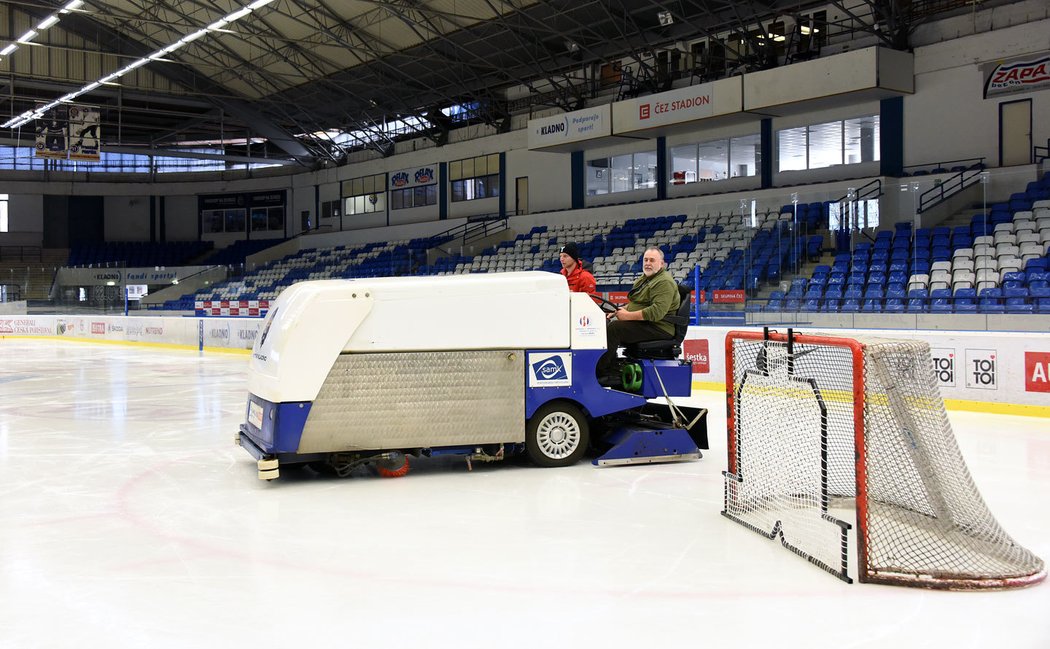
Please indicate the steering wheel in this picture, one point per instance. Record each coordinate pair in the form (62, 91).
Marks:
(605, 305)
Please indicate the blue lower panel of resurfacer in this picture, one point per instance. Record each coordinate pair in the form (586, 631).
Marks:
(641, 445)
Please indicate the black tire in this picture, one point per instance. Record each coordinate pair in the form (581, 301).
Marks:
(557, 434)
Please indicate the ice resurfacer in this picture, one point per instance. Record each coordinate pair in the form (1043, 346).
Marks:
(350, 372)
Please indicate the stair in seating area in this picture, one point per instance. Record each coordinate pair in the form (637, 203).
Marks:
(34, 278)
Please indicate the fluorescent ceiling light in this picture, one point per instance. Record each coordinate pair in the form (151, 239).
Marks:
(47, 22)
(28, 116)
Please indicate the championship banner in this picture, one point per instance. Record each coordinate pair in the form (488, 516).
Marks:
(51, 134)
(1019, 74)
(83, 133)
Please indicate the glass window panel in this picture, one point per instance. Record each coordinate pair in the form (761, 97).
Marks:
(825, 145)
(419, 196)
(397, 199)
(459, 190)
(494, 163)
(621, 172)
(598, 173)
(3, 213)
(260, 219)
(468, 168)
(745, 155)
(492, 185)
(432, 194)
(683, 164)
(212, 221)
(235, 220)
(276, 218)
(862, 139)
(713, 160)
(644, 175)
(481, 166)
(791, 149)
(455, 170)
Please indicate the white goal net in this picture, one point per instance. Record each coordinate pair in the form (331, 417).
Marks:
(826, 433)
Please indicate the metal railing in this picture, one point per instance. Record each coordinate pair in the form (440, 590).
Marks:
(943, 191)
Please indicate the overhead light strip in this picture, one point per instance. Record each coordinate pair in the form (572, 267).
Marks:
(37, 113)
(28, 37)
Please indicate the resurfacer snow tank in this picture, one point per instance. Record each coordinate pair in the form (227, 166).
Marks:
(350, 372)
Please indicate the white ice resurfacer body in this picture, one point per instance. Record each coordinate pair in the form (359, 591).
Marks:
(349, 372)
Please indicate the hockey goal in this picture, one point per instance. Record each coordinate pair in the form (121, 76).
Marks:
(826, 432)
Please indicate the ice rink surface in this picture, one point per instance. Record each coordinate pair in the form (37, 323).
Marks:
(128, 518)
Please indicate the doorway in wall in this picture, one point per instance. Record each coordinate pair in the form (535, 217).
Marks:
(1015, 133)
(521, 195)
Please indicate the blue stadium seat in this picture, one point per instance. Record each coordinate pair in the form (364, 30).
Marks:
(966, 300)
(990, 301)
(941, 300)
(1017, 305)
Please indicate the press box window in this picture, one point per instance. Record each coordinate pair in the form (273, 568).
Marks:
(474, 178)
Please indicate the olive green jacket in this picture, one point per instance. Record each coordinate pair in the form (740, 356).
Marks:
(655, 297)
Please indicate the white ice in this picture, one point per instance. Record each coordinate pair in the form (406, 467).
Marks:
(128, 518)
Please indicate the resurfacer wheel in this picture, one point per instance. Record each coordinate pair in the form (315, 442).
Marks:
(269, 469)
(393, 468)
(557, 434)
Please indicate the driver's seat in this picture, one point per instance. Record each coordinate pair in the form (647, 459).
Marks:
(669, 348)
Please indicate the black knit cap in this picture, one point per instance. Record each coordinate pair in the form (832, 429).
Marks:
(572, 250)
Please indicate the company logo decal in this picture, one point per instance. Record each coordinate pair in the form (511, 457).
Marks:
(944, 366)
(1037, 371)
(982, 369)
(266, 329)
(697, 352)
(425, 175)
(1019, 75)
(548, 370)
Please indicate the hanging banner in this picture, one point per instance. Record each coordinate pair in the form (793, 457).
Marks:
(1019, 74)
(83, 133)
(414, 177)
(51, 134)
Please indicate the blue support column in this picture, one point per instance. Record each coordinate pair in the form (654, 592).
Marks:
(578, 182)
(442, 191)
(661, 168)
(891, 136)
(503, 185)
(765, 170)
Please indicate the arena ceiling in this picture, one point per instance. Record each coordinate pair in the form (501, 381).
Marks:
(296, 73)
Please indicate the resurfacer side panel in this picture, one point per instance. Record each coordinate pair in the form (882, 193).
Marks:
(418, 400)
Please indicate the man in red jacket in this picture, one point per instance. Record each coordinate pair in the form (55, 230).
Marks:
(580, 279)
